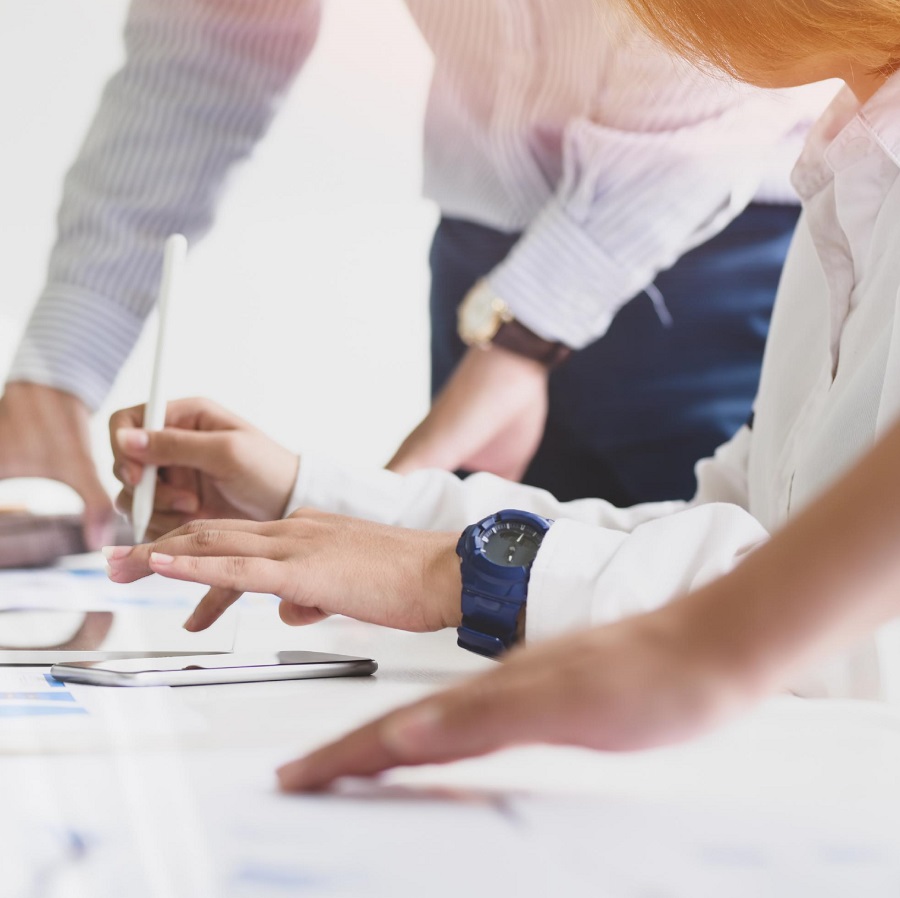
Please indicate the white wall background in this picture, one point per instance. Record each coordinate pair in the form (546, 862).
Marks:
(307, 304)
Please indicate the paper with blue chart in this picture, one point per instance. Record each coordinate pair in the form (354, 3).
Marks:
(39, 713)
(27, 693)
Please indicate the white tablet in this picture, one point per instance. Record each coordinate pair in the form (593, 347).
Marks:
(32, 638)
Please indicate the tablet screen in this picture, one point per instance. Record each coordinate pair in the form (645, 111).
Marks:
(52, 637)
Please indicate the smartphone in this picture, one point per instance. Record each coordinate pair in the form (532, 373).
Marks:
(204, 670)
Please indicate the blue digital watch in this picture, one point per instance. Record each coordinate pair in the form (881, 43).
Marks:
(497, 554)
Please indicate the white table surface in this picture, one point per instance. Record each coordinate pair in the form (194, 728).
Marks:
(799, 798)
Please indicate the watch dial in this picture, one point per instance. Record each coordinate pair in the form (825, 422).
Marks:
(480, 315)
(511, 544)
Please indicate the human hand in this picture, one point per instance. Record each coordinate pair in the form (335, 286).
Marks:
(639, 683)
(212, 464)
(490, 416)
(45, 433)
(317, 563)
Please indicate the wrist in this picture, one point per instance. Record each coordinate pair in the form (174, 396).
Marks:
(28, 392)
(512, 363)
(485, 319)
(443, 581)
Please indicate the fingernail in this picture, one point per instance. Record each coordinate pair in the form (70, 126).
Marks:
(189, 623)
(132, 439)
(186, 504)
(116, 553)
(160, 558)
(407, 731)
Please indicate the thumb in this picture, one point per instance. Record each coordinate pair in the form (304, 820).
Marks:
(207, 452)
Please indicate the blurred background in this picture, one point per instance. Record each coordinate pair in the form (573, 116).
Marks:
(306, 306)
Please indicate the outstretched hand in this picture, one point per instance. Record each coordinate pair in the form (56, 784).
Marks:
(639, 683)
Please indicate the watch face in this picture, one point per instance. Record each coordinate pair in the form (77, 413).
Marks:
(511, 544)
(480, 316)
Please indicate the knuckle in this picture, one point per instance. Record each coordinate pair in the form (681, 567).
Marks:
(202, 403)
(202, 536)
(236, 567)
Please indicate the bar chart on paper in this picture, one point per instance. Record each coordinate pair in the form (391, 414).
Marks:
(27, 694)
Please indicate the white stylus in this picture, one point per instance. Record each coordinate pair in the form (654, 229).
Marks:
(155, 410)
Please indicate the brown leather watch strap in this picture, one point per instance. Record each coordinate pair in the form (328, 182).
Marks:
(514, 336)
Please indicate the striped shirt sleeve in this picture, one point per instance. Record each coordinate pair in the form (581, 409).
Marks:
(201, 83)
(629, 205)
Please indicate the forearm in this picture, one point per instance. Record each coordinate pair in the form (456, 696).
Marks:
(830, 577)
(598, 563)
(199, 86)
(632, 200)
(438, 500)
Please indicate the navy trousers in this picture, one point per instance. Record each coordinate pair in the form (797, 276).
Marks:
(631, 413)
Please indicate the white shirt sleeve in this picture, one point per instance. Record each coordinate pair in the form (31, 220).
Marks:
(598, 562)
(633, 199)
(200, 84)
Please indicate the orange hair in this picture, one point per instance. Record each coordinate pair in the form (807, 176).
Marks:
(753, 39)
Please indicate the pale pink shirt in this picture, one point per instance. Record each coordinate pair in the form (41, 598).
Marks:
(544, 117)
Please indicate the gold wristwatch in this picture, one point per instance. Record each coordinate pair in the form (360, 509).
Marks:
(484, 319)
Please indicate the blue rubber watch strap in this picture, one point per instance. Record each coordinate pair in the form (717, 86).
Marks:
(480, 643)
(492, 595)
(489, 623)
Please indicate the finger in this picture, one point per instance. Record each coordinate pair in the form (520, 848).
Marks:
(167, 499)
(200, 413)
(210, 453)
(162, 524)
(300, 615)
(486, 714)
(127, 418)
(180, 483)
(116, 568)
(361, 753)
(210, 608)
(123, 501)
(200, 539)
(208, 538)
(235, 572)
(128, 473)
